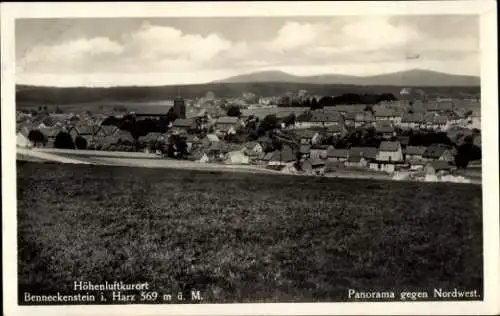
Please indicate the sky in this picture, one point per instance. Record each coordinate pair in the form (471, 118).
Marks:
(163, 51)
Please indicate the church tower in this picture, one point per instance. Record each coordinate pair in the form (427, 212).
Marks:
(179, 106)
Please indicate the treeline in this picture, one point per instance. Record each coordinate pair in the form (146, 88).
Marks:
(53, 95)
(346, 98)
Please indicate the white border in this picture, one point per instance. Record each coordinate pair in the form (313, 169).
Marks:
(489, 110)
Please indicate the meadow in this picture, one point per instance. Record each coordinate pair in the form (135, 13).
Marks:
(240, 237)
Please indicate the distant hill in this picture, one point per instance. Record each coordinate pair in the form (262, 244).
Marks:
(410, 78)
(32, 95)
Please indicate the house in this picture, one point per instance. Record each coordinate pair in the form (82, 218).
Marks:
(106, 130)
(237, 157)
(191, 141)
(365, 118)
(386, 129)
(416, 164)
(313, 166)
(183, 125)
(152, 138)
(438, 152)
(337, 154)
(307, 136)
(319, 118)
(414, 152)
(332, 166)
(339, 130)
(439, 123)
(369, 153)
(227, 125)
(50, 133)
(83, 130)
(22, 140)
(253, 147)
(412, 121)
(264, 158)
(305, 151)
(438, 167)
(123, 137)
(319, 151)
(199, 155)
(403, 140)
(285, 156)
(356, 161)
(390, 152)
(212, 138)
(350, 118)
(388, 114)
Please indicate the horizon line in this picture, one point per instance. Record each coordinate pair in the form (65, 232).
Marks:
(222, 80)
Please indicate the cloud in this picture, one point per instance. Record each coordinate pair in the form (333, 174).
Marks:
(69, 52)
(342, 45)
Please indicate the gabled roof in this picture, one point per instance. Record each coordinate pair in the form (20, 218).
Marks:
(227, 120)
(325, 116)
(415, 150)
(441, 119)
(49, 131)
(305, 149)
(387, 112)
(183, 123)
(389, 146)
(285, 155)
(305, 133)
(250, 145)
(109, 129)
(315, 162)
(337, 153)
(367, 152)
(440, 165)
(435, 151)
(413, 118)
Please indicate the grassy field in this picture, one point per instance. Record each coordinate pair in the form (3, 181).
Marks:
(243, 237)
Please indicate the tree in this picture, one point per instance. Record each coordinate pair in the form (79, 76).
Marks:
(64, 141)
(112, 121)
(289, 119)
(37, 137)
(234, 111)
(269, 123)
(80, 142)
(315, 104)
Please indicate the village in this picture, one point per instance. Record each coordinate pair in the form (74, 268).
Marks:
(434, 137)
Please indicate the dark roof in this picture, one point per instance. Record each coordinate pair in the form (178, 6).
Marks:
(435, 151)
(415, 150)
(334, 129)
(364, 117)
(305, 149)
(404, 140)
(412, 118)
(322, 116)
(181, 122)
(305, 133)
(49, 131)
(315, 162)
(441, 119)
(227, 120)
(109, 129)
(337, 153)
(354, 159)
(367, 152)
(387, 112)
(384, 128)
(389, 146)
(250, 145)
(285, 155)
(440, 165)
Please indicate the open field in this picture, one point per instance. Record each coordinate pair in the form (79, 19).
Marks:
(240, 237)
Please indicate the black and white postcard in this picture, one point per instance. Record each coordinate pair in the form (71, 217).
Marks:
(211, 158)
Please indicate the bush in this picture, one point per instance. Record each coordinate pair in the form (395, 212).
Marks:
(81, 143)
(64, 141)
